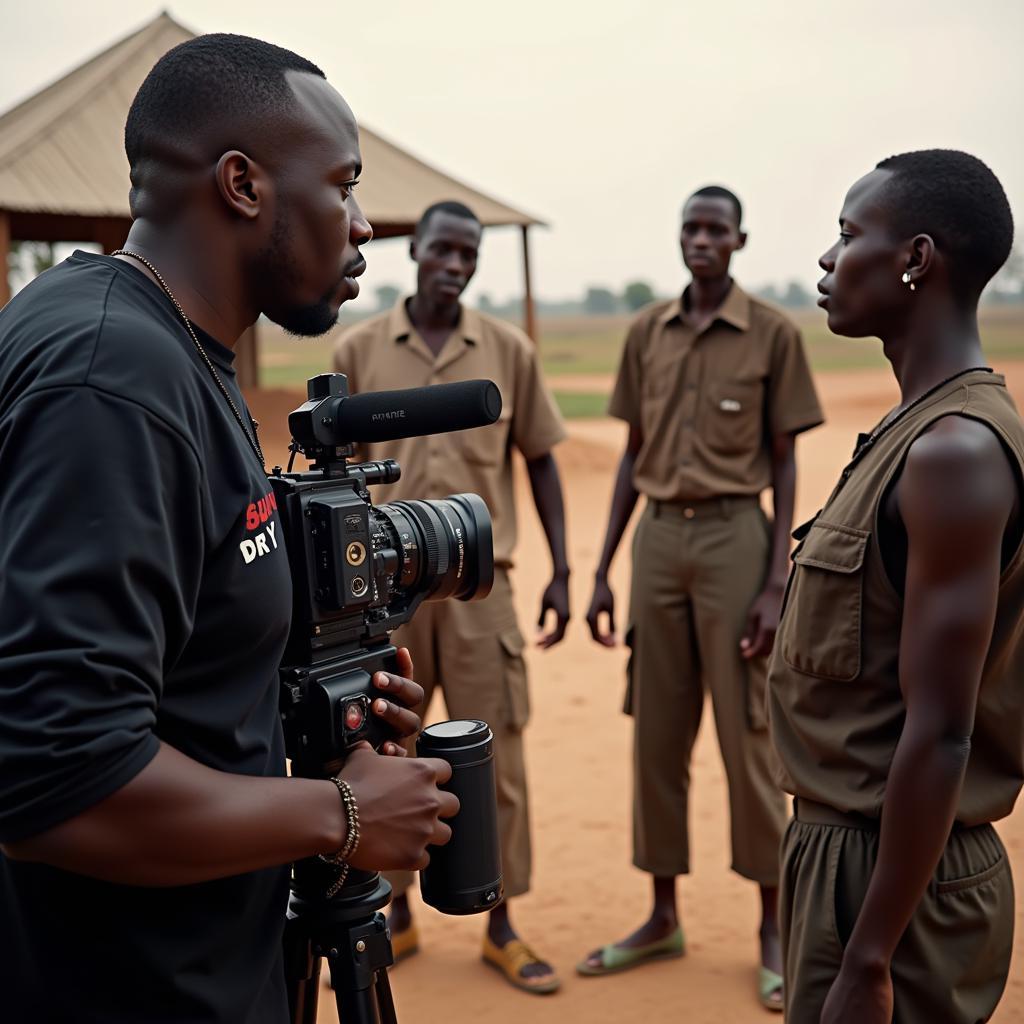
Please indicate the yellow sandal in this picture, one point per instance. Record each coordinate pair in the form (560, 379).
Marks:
(511, 958)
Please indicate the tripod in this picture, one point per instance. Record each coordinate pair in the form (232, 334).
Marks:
(349, 930)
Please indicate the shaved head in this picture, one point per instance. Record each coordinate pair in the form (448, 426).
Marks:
(245, 152)
(209, 94)
(958, 201)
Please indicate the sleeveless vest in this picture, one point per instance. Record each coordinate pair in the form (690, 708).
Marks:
(834, 700)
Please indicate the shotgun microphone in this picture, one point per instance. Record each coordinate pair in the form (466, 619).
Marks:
(332, 417)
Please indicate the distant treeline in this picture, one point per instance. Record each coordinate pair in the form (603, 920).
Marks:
(601, 301)
(27, 259)
(1006, 289)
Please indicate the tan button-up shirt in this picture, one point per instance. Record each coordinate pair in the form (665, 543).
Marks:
(386, 352)
(709, 403)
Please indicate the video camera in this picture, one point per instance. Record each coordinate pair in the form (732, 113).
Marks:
(358, 570)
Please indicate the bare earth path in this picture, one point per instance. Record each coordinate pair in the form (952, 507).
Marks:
(585, 891)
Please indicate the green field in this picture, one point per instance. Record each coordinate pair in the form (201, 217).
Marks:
(574, 347)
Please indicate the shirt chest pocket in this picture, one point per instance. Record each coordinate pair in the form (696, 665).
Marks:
(821, 630)
(734, 415)
(486, 446)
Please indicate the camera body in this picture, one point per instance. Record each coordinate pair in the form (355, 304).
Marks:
(358, 570)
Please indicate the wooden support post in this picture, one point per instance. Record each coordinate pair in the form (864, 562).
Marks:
(247, 359)
(111, 232)
(529, 310)
(5, 250)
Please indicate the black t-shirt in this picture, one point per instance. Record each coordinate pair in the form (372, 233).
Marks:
(144, 597)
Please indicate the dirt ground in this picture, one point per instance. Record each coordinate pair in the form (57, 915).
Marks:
(585, 890)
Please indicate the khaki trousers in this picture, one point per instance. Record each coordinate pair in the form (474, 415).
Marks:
(696, 571)
(473, 652)
(953, 960)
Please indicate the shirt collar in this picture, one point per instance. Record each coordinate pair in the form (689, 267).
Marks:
(735, 310)
(401, 328)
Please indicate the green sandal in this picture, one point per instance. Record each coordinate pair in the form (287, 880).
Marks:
(618, 958)
(769, 985)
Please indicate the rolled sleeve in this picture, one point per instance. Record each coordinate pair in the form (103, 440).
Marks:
(537, 424)
(625, 403)
(793, 404)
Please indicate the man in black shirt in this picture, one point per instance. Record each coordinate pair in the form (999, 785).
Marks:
(145, 818)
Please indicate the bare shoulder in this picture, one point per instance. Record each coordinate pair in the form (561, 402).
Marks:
(957, 472)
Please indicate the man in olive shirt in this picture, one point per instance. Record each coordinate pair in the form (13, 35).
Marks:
(715, 387)
(476, 649)
(896, 702)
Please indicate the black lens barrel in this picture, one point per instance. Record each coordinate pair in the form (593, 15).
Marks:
(464, 876)
(454, 542)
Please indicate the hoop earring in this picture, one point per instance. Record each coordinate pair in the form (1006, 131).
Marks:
(906, 280)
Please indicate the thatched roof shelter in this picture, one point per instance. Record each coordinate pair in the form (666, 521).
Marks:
(64, 176)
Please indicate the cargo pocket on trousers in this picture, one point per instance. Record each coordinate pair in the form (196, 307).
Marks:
(517, 692)
(821, 630)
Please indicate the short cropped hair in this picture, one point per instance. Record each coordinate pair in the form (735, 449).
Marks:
(215, 78)
(959, 202)
(456, 209)
(720, 192)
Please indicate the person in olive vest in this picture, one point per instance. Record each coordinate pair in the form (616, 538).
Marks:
(895, 689)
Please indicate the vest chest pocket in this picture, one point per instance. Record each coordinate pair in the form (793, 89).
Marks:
(821, 634)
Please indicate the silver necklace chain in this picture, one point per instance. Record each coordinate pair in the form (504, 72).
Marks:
(252, 438)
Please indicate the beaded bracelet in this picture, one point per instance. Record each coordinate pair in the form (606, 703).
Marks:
(340, 858)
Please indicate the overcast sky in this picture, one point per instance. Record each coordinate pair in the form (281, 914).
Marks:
(600, 118)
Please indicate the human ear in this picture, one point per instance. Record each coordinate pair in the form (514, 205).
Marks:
(920, 259)
(241, 184)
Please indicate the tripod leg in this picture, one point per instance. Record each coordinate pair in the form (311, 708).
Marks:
(358, 1006)
(385, 1003)
(302, 973)
(358, 963)
(349, 931)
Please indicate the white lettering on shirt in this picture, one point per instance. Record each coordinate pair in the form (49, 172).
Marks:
(257, 547)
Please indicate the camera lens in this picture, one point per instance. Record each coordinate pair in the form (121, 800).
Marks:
(445, 546)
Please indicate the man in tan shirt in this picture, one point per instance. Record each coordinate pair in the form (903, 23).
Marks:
(472, 651)
(715, 387)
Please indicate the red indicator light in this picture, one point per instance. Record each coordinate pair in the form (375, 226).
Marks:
(354, 717)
